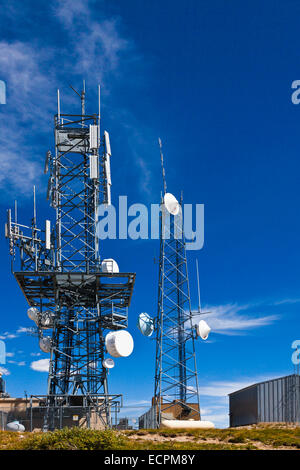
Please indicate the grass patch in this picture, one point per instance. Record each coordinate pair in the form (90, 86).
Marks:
(198, 439)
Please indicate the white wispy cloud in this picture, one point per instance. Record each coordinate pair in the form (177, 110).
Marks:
(68, 10)
(96, 45)
(217, 414)
(7, 335)
(28, 93)
(33, 70)
(286, 301)
(21, 363)
(234, 319)
(4, 371)
(24, 329)
(10, 354)
(222, 388)
(42, 365)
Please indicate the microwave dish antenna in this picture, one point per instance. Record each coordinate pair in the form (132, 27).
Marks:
(108, 363)
(119, 343)
(203, 330)
(145, 324)
(171, 204)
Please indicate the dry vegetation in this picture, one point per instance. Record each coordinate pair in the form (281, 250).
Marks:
(254, 438)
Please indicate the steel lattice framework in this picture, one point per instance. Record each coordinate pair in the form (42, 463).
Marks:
(176, 381)
(60, 270)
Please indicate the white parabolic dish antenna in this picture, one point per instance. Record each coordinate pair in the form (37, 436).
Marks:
(145, 324)
(109, 266)
(203, 329)
(33, 313)
(45, 344)
(108, 363)
(171, 204)
(119, 343)
(15, 426)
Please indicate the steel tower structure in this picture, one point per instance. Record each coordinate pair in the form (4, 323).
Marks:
(61, 276)
(176, 381)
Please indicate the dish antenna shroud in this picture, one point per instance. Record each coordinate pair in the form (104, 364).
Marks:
(203, 330)
(171, 204)
(145, 324)
(119, 343)
(108, 363)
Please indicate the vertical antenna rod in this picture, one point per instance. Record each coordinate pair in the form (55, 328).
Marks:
(16, 212)
(198, 285)
(83, 100)
(162, 165)
(58, 105)
(34, 207)
(99, 90)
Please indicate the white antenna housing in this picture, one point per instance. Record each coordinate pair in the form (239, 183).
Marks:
(171, 204)
(15, 426)
(119, 343)
(109, 266)
(33, 314)
(94, 137)
(107, 143)
(145, 324)
(94, 167)
(203, 329)
(45, 344)
(47, 159)
(108, 363)
(47, 319)
(107, 169)
(48, 235)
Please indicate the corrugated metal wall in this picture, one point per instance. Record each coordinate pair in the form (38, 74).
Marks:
(276, 400)
(279, 400)
(3, 420)
(148, 419)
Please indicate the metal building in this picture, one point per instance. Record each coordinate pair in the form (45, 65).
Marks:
(273, 401)
(3, 420)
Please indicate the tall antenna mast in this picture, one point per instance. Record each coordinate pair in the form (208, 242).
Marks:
(162, 166)
(198, 285)
(83, 100)
(16, 211)
(176, 391)
(34, 207)
(58, 105)
(74, 298)
(99, 108)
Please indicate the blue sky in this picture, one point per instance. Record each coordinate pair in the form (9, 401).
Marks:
(213, 80)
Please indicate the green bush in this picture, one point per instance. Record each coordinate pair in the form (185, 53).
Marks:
(74, 439)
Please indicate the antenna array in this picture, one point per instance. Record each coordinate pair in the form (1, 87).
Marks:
(60, 272)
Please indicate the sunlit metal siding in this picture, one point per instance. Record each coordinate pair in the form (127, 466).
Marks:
(275, 400)
(279, 400)
(3, 420)
(148, 419)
